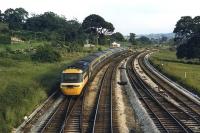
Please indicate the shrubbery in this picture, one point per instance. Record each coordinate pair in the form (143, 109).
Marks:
(19, 54)
(5, 39)
(100, 49)
(46, 53)
(190, 49)
(16, 101)
(30, 35)
(4, 34)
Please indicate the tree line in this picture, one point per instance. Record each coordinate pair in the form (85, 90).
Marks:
(53, 27)
(187, 37)
(50, 26)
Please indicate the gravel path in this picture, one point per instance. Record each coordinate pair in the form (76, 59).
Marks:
(125, 114)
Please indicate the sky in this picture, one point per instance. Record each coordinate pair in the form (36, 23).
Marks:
(127, 16)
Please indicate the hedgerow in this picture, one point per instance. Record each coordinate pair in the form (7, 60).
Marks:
(46, 53)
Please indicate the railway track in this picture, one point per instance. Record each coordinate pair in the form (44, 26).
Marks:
(67, 117)
(103, 114)
(189, 106)
(55, 121)
(39, 112)
(104, 120)
(73, 121)
(166, 116)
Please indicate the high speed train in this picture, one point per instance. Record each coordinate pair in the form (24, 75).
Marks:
(75, 76)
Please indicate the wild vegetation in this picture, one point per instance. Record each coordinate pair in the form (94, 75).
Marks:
(52, 27)
(30, 69)
(4, 33)
(187, 37)
(25, 82)
(185, 72)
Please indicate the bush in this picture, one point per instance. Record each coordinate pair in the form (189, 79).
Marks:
(15, 102)
(99, 49)
(5, 39)
(46, 53)
(15, 54)
(30, 35)
(4, 34)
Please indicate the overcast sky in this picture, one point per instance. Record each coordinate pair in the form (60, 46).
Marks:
(137, 16)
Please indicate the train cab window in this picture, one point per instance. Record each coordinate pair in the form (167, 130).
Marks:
(72, 77)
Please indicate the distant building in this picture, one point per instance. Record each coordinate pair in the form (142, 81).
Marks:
(115, 45)
(16, 40)
(88, 45)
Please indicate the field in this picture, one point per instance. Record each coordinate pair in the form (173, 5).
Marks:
(185, 72)
(24, 84)
(22, 45)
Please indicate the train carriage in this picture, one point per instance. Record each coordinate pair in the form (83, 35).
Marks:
(75, 76)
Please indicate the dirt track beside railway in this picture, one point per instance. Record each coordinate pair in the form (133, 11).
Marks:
(126, 119)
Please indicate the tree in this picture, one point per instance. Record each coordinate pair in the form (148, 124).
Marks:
(46, 53)
(107, 29)
(196, 26)
(56, 27)
(46, 22)
(15, 18)
(73, 31)
(96, 24)
(183, 30)
(190, 49)
(132, 39)
(1, 16)
(4, 34)
(187, 37)
(144, 40)
(22, 14)
(163, 39)
(117, 36)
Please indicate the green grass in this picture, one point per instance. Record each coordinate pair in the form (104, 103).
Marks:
(176, 68)
(22, 45)
(25, 84)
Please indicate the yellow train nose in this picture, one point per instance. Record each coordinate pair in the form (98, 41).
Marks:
(71, 91)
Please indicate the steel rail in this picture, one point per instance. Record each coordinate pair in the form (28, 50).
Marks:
(187, 106)
(69, 111)
(108, 74)
(99, 97)
(145, 89)
(136, 86)
(65, 102)
(181, 124)
(26, 126)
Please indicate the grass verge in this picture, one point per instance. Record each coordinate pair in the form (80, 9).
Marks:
(185, 72)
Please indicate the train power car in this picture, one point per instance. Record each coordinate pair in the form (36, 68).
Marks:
(75, 76)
